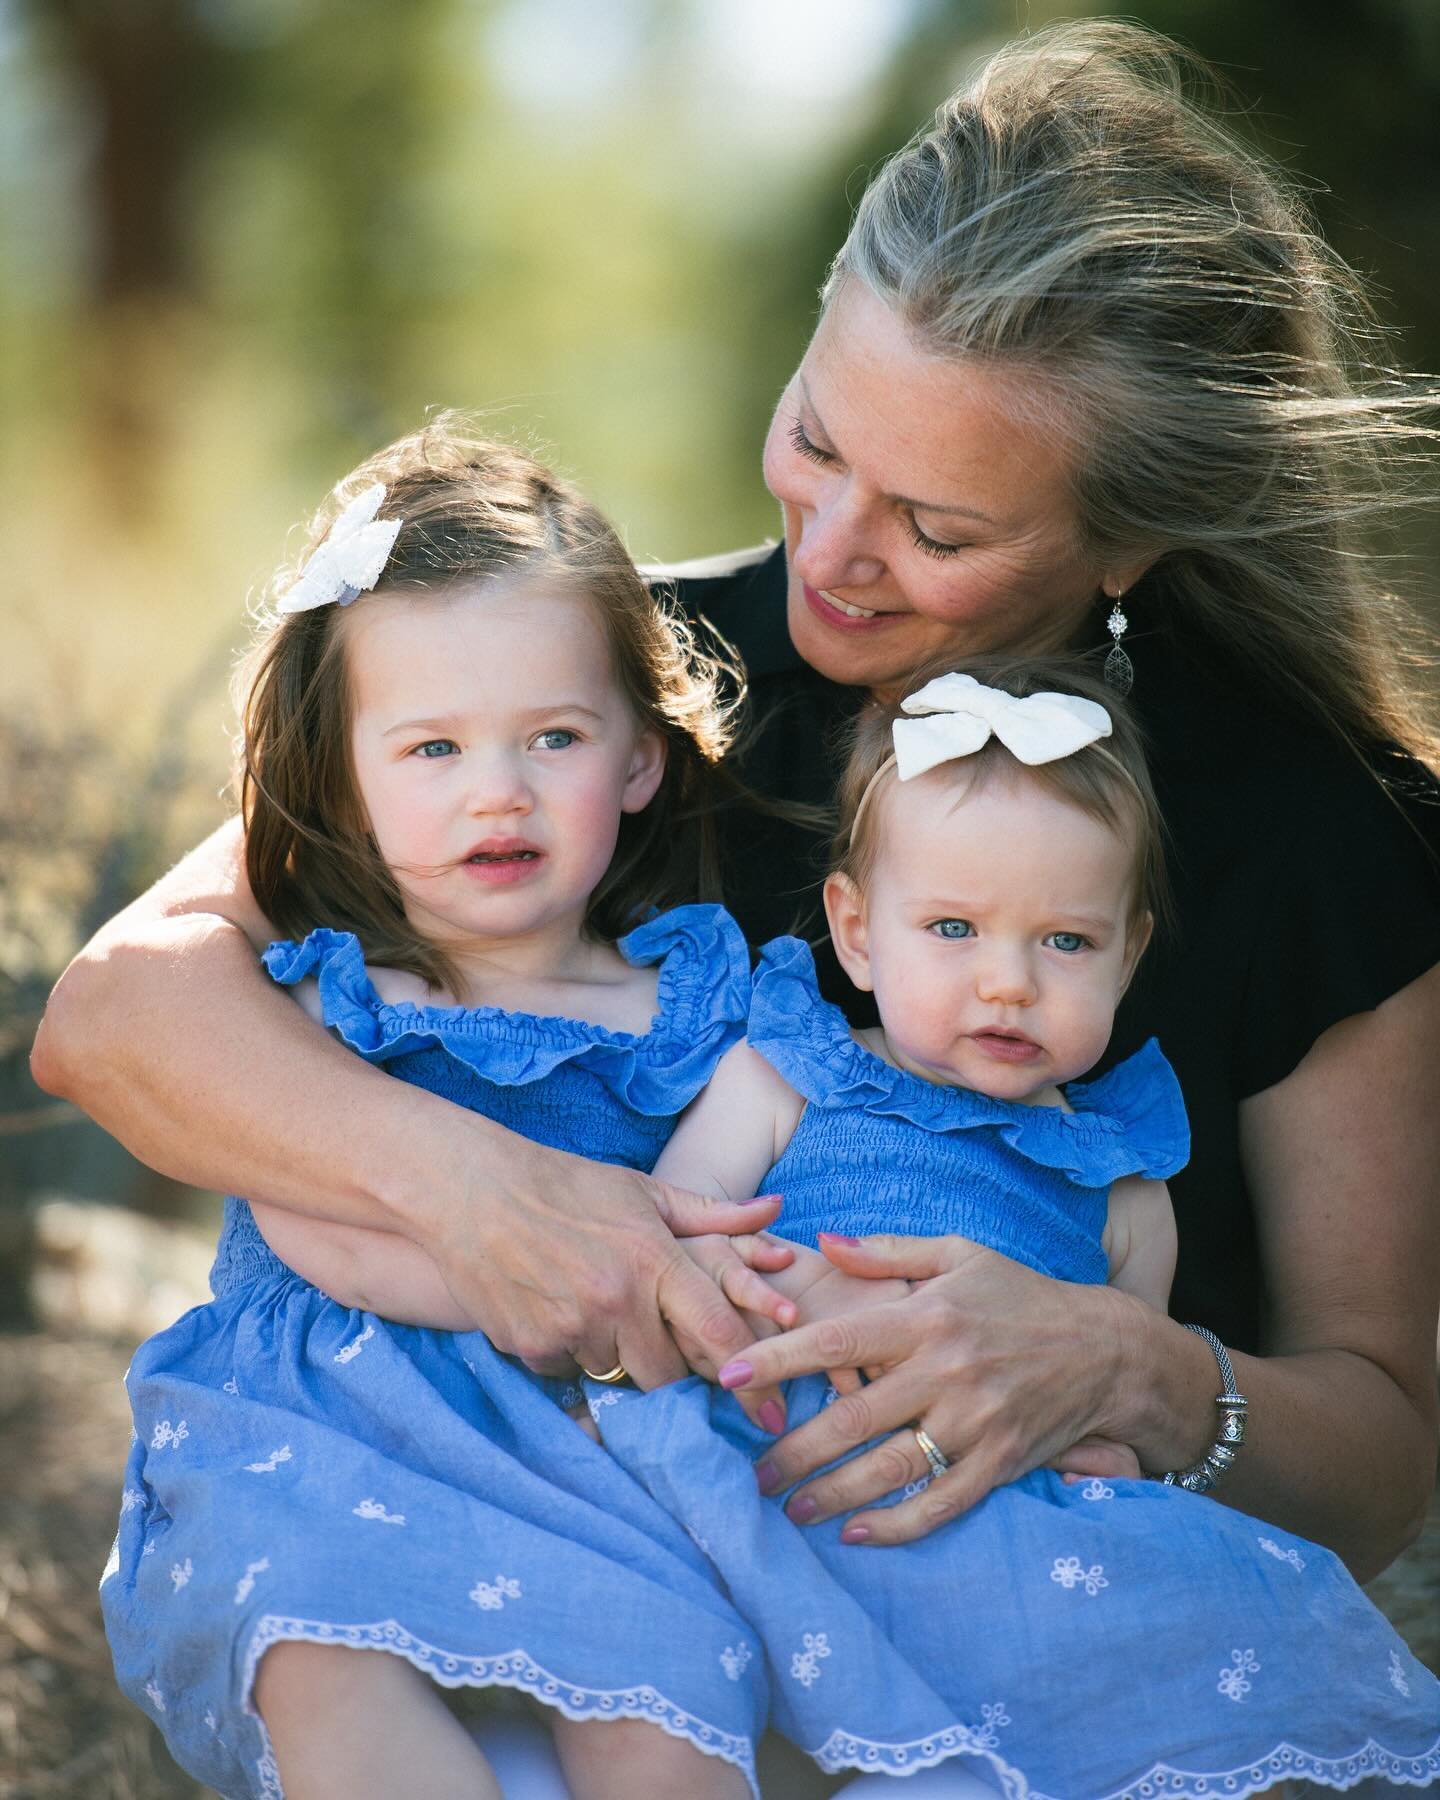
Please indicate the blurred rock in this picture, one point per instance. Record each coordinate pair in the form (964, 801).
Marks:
(111, 1272)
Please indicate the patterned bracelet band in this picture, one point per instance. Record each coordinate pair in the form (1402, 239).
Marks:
(1200, 1477)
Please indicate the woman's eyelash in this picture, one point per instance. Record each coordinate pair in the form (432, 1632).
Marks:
(929, 544)
(802, 444)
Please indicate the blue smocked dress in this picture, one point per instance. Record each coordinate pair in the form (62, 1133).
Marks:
(1109, 1638)
(305, 1471)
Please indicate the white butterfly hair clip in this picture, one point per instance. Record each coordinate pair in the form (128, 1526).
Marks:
(348, 560)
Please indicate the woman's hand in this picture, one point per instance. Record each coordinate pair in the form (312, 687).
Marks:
(1005, 1370)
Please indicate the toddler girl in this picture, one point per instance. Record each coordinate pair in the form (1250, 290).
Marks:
(1105, 1637)
(475, 753)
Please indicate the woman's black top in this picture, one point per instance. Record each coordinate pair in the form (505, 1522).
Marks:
(1304, 890)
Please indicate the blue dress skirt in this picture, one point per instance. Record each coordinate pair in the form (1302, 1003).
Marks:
(1104, 1639)
(302, 1471)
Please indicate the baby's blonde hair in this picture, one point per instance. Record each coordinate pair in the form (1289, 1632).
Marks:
(1108, 780)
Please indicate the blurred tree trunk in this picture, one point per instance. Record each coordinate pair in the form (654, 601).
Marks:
(147, 72)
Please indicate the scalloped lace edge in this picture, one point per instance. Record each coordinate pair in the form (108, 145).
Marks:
(843, 1750)
(512, 1669)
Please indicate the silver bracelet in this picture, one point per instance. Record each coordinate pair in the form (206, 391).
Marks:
(1200, 1477)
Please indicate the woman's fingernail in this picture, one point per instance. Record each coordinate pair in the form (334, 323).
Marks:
(838, 1237)
(855, 1534)
(802, 1509)
(767, 1475)
(772, 1416)
(735, 1374)
(761, 1199)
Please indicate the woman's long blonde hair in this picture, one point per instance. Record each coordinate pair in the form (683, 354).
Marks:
(1080, 214)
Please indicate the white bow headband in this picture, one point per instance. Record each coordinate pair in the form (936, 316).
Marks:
(956, 715)
(350, 558)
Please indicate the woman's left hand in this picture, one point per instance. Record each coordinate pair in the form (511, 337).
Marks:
(1005, 1370)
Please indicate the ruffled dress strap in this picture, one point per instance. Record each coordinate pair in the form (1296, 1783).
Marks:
(1130, 1121)
(701, 1005)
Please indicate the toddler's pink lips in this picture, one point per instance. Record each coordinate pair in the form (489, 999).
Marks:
(1006, 1046)
(825, 609)
(500, 862)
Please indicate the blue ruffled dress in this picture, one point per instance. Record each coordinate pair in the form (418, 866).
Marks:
(301, 1470)
(1106, 1639)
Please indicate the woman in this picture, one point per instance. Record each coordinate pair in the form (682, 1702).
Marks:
(1079, 346)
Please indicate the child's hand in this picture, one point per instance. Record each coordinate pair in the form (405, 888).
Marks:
(1097, 1456)
(733, 1263)
(833, 1292)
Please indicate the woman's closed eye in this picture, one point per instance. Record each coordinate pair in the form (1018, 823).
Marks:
(804, 445)
(953, 929)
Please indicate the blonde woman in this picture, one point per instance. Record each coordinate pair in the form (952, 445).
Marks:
(1083, 370)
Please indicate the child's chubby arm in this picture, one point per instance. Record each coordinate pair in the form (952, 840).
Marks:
(1140, 1243)
(378, 1271)
(727, 1140)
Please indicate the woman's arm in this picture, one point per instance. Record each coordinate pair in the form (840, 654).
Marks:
(1005, 1368)
(167, 1031)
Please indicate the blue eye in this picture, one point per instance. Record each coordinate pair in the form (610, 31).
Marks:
(436, 748)
(953, 928)
(556, 740)
(1069, 941)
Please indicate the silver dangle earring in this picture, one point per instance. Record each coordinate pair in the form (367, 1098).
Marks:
(1119, 670)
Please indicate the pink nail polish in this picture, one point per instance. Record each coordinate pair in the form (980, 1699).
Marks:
(772, 1416)
(761, 1199)
(802, 1509)
(735, 1374)
(839, 1237)
(855, 1534)
(766, 1476)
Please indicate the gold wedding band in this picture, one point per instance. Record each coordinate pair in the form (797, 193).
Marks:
(939, 1462)
(618, 1373)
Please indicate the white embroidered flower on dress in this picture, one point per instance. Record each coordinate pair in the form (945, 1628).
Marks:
(355, 1346)
(596, 1401)
(734, 1659)
(129, 1500)
(912, 1488)
(372, 1509)
(180, 1573)
(1069, 1574)
(1233, 1683)
(231, 1386)
(1095, 1489)
(155, 1697)
(983, 1737)
(1291, 1556)
(490, 1596)
(245, 1586)
(269, 1468)
(211, 1720)
(149, 1549)
(804, 1664)
(166, 1433)
(1397, 1675)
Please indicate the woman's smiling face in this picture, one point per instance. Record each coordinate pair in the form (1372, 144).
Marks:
(919, 491)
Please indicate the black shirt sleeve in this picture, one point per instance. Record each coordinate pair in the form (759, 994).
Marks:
(1346, 913)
